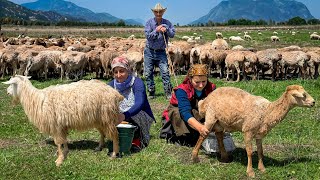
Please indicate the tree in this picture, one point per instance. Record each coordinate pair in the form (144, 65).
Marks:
(297, 21)
(313, 21)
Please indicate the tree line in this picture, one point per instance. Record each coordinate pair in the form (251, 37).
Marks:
(14, 21)
(296, 21)
(121, 23)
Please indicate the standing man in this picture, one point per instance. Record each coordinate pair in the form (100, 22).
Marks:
(157, 31)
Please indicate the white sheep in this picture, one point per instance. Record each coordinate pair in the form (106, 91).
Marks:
(220, 44)
(219, 35)
(80, 105)
(314, 37)
(247, 37)
(274, 38)
(232, 109)
(235, 38)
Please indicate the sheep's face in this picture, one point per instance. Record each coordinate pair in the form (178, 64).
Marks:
(300, 97)
(12, 90)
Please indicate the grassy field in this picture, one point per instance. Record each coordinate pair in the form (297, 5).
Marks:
(291, 148)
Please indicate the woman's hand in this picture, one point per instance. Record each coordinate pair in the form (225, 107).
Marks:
(121, 117)
(203, 131)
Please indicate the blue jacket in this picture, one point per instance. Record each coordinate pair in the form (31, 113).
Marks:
(140, 99)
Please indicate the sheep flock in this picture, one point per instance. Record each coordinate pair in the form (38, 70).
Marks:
(73, 58)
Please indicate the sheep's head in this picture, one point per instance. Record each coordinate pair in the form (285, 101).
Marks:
(12, 90)
(300, 97)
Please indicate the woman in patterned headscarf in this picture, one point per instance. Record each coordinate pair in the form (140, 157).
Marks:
(135, 107)
(181, 120)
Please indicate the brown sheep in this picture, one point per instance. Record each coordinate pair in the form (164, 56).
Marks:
(232, 109)
(268, 59)
(294, 59)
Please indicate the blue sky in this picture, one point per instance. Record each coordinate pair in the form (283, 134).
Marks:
(179, 11)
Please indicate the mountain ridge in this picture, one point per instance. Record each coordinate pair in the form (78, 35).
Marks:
(70, 9)
(276, 10)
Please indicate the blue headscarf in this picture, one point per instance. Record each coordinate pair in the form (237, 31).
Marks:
(122, 87)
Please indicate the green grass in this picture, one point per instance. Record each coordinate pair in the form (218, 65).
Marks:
(291, 148)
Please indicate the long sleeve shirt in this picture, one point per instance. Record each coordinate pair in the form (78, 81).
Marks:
(155, 39)
(140, 99)
(184, 105)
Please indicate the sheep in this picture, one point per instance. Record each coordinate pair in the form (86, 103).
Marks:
(106, 58)
(80, 105)
(243, 60)
(294, 59)
(313, 64)
(219, 35)
(9, 59)
(73, 61)
(220, 44)
(135, 60)
(218, 60)
(247, 37)
(314, 37)
(268, 59)
(185, 37)
(232, 109)
(235, 38)
(94, 62)
(274, 38)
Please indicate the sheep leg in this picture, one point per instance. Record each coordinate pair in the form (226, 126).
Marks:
(223, 152)
(260, 155)
(227, 78)
(101, 142)
(237, 65)
(115, 142)
(248, 143)
(60, 158)
(195, 151)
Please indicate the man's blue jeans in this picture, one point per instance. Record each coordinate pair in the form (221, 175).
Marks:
(156, 58)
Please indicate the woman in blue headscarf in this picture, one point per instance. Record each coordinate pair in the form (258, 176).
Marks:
(135, 107)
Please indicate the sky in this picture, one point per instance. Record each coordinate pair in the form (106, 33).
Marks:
(178, 11)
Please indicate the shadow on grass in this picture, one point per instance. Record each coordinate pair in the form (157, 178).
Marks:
(77, 145)
(240, 155)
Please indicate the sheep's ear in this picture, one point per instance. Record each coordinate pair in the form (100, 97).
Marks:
(297, 94)
(11, 81)
(28, 77)
(200, 103)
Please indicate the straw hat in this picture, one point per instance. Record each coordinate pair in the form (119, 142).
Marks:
(158, 7)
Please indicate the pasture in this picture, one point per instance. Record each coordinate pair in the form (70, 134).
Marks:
(291, 149)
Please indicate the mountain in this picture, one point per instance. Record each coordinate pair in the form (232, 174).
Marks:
(277, 10)
(71, 9)
(9, 9)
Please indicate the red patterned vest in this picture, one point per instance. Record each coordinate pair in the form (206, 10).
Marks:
(189, 89)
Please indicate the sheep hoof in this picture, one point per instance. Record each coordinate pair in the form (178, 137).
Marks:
(114, 155)
(251, 174)
(59, 162)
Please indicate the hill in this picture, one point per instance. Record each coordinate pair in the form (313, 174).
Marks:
(71, 9)
(9, 9)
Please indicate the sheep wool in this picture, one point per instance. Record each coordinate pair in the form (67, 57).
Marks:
(232, 109)
(80, 105)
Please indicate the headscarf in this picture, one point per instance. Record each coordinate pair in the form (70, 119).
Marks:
(120, 61)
